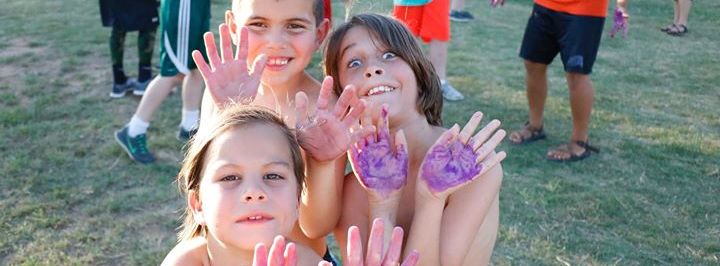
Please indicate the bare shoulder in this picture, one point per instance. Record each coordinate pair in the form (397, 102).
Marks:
(188, 252)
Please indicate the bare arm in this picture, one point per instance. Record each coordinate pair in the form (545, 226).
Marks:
(322, 201)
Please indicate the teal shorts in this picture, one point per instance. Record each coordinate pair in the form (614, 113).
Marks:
(182, 23)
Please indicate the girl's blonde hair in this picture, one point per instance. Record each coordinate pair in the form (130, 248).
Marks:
(233, 117)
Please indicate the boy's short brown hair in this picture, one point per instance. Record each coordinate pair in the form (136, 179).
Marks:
(396, 37)
(237, 116)
(318, 9)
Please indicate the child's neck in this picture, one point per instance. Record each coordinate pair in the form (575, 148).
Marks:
(283, 94)
(420, 135)
(227, 255)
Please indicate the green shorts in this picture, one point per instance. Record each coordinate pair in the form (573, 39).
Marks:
(182, 23)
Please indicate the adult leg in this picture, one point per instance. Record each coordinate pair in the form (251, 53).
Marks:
(536, 91)
(457, 5)
(582, 96)
(156, 93)
(437, 53)
(145, 45)
(683, 11)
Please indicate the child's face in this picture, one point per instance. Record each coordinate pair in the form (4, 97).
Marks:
(248, 191)
(284, 30)
(379, 75)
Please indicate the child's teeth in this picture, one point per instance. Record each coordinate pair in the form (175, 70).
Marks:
(380, 89)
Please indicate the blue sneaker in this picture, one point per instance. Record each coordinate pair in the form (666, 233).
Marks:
(461, 16)
(185, 135)
(119, 90)
(135, 147)
(139, 87)
(450, 93)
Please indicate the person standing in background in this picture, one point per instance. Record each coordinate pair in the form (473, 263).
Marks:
(680, 21)
(125, 16)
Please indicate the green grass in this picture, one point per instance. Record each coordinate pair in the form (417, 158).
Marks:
(70, 195)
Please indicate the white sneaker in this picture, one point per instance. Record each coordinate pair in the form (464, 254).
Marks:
(450, 93)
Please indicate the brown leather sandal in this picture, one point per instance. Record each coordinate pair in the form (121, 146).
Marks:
(576, 157)
(535, 135)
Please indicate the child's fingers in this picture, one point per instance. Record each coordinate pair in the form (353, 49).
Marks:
(356, 111)
(346, 99)
(448, 136)
(276, 251)
(491, 144)
(324, 263)
(290, 255)
(258, 68)
(211, 50)
(484, 134)
(260, 256)
(394, 251)
(202, 66)
(490, 162)
(470, 127)
(354, 247)
(400, 143)
(242, 51)
(325, 91)
(383, 124)
(411, 259)
(375, 243)
(301, 107)
(226, 49)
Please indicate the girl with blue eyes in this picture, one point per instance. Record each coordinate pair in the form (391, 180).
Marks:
(243, 179)
(449, 198)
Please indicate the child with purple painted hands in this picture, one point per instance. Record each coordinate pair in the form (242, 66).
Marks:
(450, 194)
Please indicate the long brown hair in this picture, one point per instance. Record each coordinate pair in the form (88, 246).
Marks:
(396, 37)
(233, 117)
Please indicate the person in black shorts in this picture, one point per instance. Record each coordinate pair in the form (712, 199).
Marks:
(574, 31)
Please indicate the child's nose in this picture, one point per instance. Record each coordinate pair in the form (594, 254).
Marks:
(254, 194)
(277, 40)
(374, 71)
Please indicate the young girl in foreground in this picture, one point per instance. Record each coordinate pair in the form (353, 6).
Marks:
(447, 181)
(243, 179)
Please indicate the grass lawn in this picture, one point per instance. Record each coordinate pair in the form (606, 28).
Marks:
(70, 195)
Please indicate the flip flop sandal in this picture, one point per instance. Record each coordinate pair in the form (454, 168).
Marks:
(668, 27)
(535, 135)
(678, 31)
(576, 157)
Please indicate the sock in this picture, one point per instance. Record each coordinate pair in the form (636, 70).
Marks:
(144, 73)
(190, 119)
(443, 82)
(137, 126)
(119, 75)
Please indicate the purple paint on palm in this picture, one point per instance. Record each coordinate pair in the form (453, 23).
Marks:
(378, 167)
(447, 166)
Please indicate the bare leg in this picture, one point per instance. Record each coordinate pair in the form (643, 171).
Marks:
(536, 92)
(192, 90)
(457, 5)
(438, 57)
(582, 97)
(683, 11)
(156, 93)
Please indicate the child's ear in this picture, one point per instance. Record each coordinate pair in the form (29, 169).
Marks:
(196, 207)
(322, 31)
(230, 21)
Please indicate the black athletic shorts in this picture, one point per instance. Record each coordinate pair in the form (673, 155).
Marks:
(575, 37)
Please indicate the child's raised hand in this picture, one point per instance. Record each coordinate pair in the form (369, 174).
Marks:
(456, 159)
(280, 254)
(380, 163)
(375, 256)
(325, 134)
(228, 78)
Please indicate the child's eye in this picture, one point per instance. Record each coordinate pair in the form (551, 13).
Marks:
(230, 178)
(295, 27)
(388, 55)
(274, 177)
(354, 63)
(256, 25)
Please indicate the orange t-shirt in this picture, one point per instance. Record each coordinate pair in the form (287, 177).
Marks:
(595, 8)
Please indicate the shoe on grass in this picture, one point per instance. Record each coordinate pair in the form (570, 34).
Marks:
(135, 147)
(185, 135)
(140, 86)
(450, 93)
(461, 16)
(119, 90)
